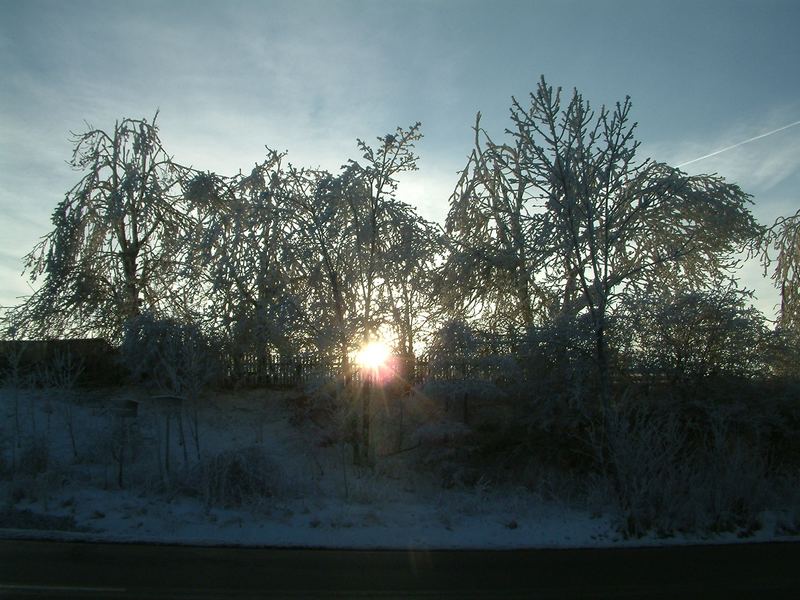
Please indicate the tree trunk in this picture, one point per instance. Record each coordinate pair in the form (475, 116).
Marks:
(603, 378)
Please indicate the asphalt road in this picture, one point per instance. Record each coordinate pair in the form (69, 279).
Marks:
(38, 569)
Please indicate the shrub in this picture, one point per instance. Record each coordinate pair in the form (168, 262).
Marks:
(170, 356)
(663, 481)
(559, 357)
(689, 336)
(236, 478)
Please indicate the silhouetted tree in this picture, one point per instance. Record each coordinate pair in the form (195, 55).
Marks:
(783, 238)
(356, 245)
(567, 219)
(111, 251)
(241, 258)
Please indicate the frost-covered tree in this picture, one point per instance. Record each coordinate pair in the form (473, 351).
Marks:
(413, 248)
(111, 252)
(369, 191)
(356, 245)
(783, 239)
(322, 255)
(571, 220)
(691, 335)
(240, 258)
(493, 226)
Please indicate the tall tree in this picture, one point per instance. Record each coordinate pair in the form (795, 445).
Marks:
(369, 191)
(783, 238)
(350, 231)
(111, 252)
(413, 248)
(494, 230)
(592, 220)
(323, 270)
(240, 257)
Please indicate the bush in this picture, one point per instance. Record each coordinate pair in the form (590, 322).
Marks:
(170, 356)
(559, 357)
(689, 336)
(236, 478)
(453, 349)
(663, 481)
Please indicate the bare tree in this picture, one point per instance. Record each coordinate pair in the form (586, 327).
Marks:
(240, 258)
(595, 222)
(355, 244)
(110, 252)
(783, 238)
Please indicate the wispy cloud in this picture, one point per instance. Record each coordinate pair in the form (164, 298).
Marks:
(760, 165)
(768, 167)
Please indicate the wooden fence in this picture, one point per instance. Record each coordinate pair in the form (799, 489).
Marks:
(99, 364)
(252, 370)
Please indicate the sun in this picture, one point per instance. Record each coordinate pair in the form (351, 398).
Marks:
(373, 355)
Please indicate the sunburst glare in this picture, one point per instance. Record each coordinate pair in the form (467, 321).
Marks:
(373, 355)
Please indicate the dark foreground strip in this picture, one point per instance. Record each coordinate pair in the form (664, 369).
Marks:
(38, 569)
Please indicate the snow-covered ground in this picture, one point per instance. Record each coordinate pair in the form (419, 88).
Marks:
(311, 494)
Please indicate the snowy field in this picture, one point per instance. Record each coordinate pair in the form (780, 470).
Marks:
(258, 468)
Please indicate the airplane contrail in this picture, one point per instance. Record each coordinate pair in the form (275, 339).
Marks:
(752, 139)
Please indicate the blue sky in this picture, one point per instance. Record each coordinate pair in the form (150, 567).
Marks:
(310, 77)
